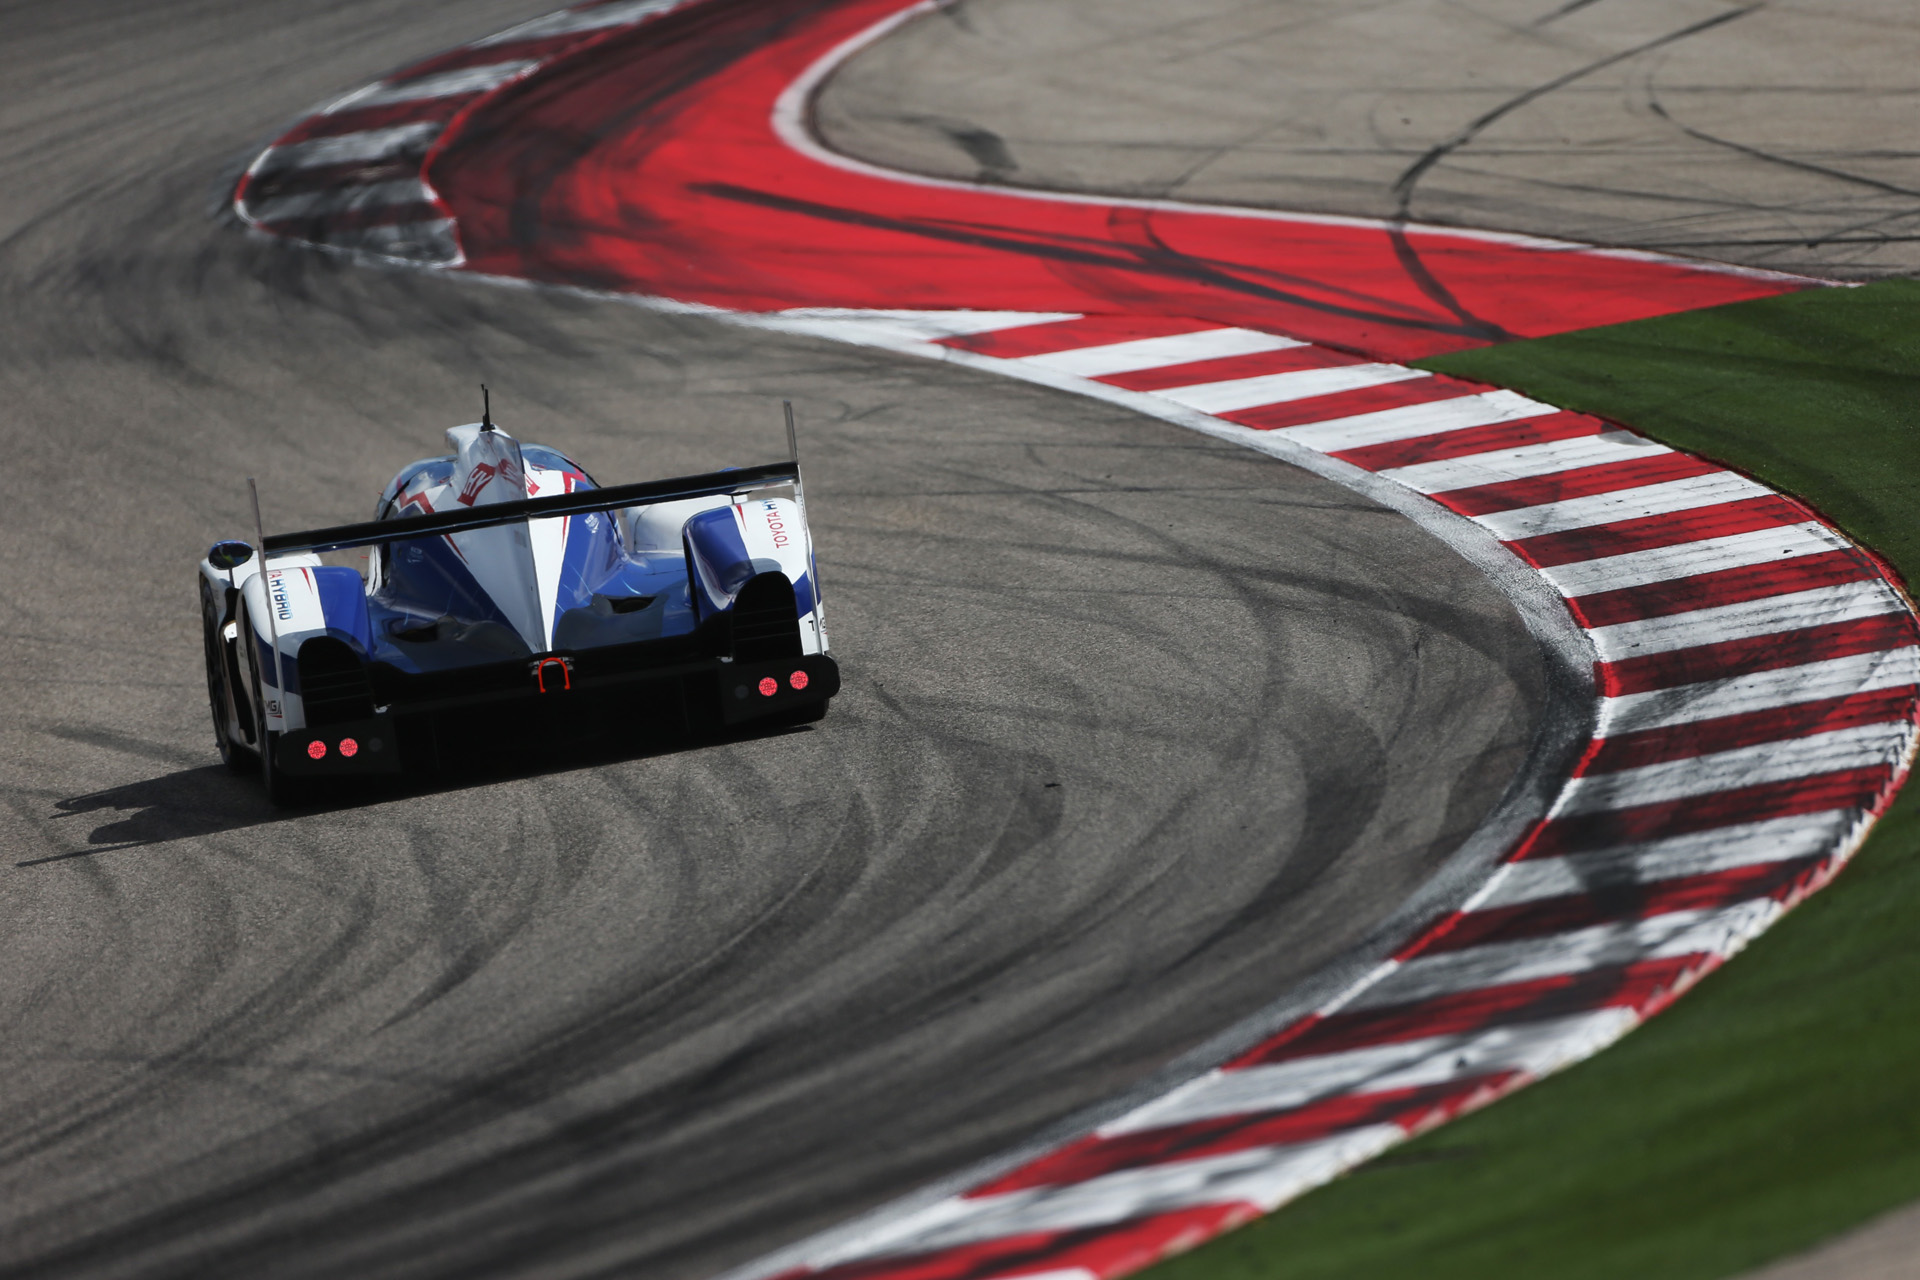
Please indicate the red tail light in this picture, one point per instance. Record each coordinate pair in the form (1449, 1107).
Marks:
(798, 679)
(769, 687)
(349, 748)
(316, 749)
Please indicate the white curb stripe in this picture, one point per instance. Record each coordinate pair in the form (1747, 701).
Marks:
(1622, 504)
(893, 328)
(1262, 1177)
(1284, 388)
(444, 84)
(1155, 353)
(1533, 1047)
(1771, 615)
(1855, 748)
(1691, 559)
(1831, 678)
(1698, 853)
(335, 200)
(1523, 463)
(400, 140)
(1496, 964)
(431, 239)
(1386, 426)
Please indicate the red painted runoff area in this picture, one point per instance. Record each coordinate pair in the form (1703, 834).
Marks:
(649, 162)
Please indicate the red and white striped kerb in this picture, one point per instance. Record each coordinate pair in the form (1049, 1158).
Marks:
(353, 174)
(1757, 677)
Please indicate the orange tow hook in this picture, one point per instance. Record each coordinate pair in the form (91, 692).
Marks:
(540, 666)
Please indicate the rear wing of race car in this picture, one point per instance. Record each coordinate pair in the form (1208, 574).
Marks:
(615, 498)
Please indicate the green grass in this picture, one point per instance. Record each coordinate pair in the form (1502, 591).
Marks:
(1779, 1103)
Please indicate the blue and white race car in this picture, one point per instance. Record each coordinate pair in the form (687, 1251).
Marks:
(499, 594)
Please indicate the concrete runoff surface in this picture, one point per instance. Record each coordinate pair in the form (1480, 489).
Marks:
(1777, 134)
(1139, 729)
(1884, 1249)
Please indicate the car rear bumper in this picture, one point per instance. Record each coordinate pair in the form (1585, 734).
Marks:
(553, 697)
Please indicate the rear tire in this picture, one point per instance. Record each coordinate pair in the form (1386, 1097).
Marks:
(220, 700)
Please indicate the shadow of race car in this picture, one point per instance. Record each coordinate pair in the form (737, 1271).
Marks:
(500, 596)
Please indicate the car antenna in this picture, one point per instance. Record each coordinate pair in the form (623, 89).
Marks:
(486, 409)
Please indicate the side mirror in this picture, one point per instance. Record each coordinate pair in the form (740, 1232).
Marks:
(228, 556)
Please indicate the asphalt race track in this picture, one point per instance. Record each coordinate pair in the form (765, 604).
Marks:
(1139, 730)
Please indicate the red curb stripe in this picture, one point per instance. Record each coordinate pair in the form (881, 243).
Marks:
(1728, 733)
(1754, 653)
(1447, 445)
(1223, 368)
(1094, 1156)
(1071, 335)
(1646, 533)
(1346, 404)
(1550, 916)
(1727, 586)
(1579, 482)
(1845, 789)
(1109, 1250)
(1629, 986)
